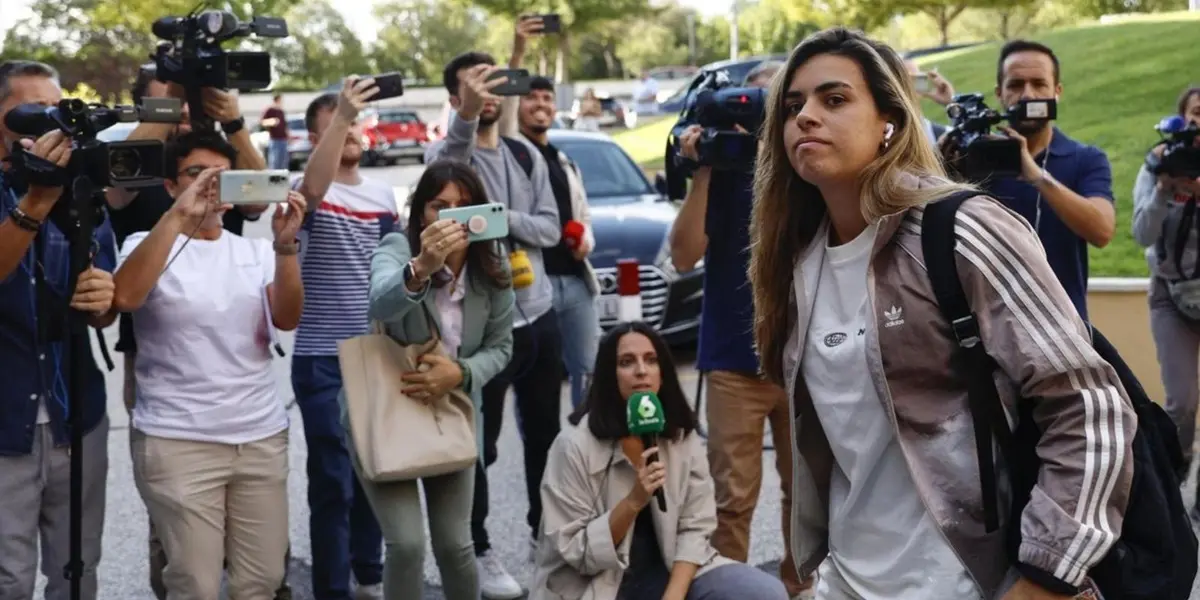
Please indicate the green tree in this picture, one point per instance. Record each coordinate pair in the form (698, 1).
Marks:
(419, 37)
(578, 18)
(321, 50)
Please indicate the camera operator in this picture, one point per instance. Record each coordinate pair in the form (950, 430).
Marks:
(209, 431)
(1065, 187)
(713, 224)
(34, 460)
(1164, 222)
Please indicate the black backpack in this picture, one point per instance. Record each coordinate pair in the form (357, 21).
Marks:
(1155, 556)
(520, 152)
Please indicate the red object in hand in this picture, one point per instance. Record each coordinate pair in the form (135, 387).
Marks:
(573, 234)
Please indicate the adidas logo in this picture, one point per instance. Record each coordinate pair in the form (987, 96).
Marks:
(893, 316)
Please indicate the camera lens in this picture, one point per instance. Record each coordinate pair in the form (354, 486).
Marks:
(124, 163)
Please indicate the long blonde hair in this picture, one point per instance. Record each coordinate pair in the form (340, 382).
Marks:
(789, 211)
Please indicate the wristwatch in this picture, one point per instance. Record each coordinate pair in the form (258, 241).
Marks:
(410, 273)
(234, 126)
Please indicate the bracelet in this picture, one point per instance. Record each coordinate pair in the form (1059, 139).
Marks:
(291, 249)
(24, 221)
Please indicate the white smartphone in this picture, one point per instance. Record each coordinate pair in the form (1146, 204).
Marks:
(922, 83)
(255, 187)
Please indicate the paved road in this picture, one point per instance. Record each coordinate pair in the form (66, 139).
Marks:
(123, 570)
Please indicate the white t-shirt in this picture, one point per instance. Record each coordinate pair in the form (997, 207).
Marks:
(883, 544)
(645, 98)
(204, 360)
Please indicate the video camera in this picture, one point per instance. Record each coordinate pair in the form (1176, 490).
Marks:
(192, 55)
(1180, 157)
(94, 164)
(716, 105)
(981, 154)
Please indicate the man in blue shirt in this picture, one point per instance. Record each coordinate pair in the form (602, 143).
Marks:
(714, 223)
(1065, 186)
(34, 402)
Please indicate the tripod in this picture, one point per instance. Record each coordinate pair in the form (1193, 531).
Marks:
(77, 214)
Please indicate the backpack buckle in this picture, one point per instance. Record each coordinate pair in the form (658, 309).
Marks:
(966, 331)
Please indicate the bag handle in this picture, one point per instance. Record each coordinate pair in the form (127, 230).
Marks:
(435, 332)
(938, 241)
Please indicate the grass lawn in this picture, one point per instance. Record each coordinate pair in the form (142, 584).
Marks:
(1118, 79)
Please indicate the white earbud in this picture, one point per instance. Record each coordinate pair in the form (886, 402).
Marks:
(888, 131)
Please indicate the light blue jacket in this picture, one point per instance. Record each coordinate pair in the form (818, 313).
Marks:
(487, 340)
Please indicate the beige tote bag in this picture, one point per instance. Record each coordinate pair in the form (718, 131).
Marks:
(398, 438)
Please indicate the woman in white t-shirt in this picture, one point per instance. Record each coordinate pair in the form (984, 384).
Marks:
(888, 501)
(209, 432)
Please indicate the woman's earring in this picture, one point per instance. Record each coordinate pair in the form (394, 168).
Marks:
(888, 131)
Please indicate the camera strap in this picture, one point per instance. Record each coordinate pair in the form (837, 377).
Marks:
(1187, 224)
(37, 170)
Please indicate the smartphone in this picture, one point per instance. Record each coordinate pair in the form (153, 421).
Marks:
(551, 23)
(922, 83)
(484, 221)
(517, 84)
(391, 85)
(255, 187)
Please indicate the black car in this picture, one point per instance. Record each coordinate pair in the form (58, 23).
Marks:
(737, 70)
(631, 219)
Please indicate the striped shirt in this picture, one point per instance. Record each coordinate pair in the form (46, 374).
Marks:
(335, 263)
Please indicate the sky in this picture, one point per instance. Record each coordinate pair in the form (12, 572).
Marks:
(357, 13)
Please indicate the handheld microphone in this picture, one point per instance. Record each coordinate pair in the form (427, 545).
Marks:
(644, 415)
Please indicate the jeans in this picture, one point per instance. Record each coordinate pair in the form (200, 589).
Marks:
(34, 502)
(344, 534)
(398, 508)
(535, 376)
(580, 328)
(726, 582)
(277, 154)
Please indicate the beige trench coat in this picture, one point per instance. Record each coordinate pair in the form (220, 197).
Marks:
(585, 478)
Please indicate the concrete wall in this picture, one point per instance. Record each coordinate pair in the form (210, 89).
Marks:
(1118, 308)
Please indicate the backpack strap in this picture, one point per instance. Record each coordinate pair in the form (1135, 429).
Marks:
(520, 152)
(972, 362)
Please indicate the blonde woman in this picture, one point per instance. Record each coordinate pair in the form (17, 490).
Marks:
(886, 496)
(590, 112)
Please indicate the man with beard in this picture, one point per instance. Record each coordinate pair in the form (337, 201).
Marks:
(571, 275)
(137, 210)
(515, 175)
(348, 214)
(1065, 187)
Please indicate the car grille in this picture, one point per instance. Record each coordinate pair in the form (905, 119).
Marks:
(654, 293)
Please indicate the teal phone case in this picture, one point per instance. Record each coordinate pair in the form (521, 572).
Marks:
(484, 222)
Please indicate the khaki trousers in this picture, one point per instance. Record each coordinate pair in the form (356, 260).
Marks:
(738, 407)
(217, 503)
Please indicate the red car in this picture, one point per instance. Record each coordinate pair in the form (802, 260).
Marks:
(394, 134)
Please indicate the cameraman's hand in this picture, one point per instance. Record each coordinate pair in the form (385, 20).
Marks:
(688, 142)
(54, 147)
(1030, 171)
(942, 92)
(356, 93)
(476, 91)
(221, 105)
(198, 201)
(93, 292)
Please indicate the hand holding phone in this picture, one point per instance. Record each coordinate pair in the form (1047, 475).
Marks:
(484, 221)
(517, 84)
(254, 187)
(551, 22)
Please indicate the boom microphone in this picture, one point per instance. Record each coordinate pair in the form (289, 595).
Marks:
(644, 416)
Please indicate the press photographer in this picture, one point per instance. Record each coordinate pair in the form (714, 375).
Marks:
(34, 431)
(1061, 186)
(713, 225)
(1166, 224)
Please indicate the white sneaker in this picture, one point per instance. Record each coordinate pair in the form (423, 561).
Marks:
(368, 592)
(494, 582)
